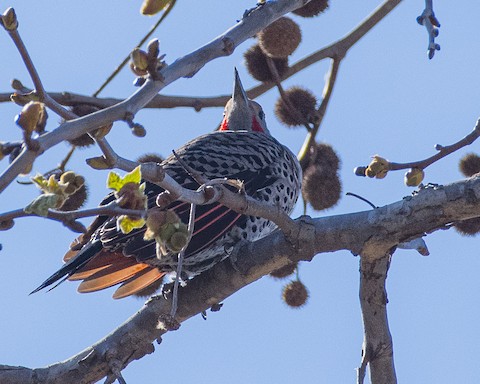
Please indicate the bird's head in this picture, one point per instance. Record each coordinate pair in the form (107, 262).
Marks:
(241, 113)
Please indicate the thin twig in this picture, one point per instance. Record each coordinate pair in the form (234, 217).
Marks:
(40, 90)
(140, 43)
(442, 151)
(431, 23)
(336, 49)
(65, 217)
(361, 198)
(181, 254)
(292, 110)
(327, 93)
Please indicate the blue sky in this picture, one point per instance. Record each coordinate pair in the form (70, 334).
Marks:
(389, 99)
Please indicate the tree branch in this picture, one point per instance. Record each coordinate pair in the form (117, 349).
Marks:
(377, 350)
(442, 151)
(186, 66)
(369, 233)
(336, 49)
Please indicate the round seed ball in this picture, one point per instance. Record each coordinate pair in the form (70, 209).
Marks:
(321, 187)
(281, 38)
(303, 104)
(295, 294)
(470, 164)
(468, 227)
(313, 8)
(284, 271)
(257, 66)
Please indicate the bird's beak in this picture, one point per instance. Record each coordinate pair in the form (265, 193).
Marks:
(239, 96)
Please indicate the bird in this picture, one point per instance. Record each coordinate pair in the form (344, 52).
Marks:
(242, 148)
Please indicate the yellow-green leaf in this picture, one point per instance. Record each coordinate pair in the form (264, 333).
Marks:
(39, 180)
(127, 224)
(133, 177)
(116, 182)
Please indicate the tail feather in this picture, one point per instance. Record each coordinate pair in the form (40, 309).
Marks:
(110, 276)
(73, 265)
(138, 282)
(102, 260)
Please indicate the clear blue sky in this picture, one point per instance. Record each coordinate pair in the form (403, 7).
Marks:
(389, 99)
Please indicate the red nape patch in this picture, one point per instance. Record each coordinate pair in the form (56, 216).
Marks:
(256, 127)
(224, 125)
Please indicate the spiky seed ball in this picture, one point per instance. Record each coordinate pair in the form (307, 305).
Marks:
(280, 38)
(302, 101)
(470, 164)
(321, 187)
(76, 200)
(313, 8)
(468, 227)
(295, 294)
(284, 271)
(150, 158)
(322, 154)
(256, 63)
(150, 289)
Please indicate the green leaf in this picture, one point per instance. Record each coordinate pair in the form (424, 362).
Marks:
(42, 203)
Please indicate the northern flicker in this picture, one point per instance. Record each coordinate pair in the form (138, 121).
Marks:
(241, 149)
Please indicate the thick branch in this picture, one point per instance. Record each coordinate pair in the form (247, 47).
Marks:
(369, 233)
(186, 66)
(377, 348)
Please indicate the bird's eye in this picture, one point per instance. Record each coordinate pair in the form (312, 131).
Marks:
(261, 115)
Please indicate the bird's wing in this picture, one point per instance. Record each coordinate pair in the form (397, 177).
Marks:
(111, 257)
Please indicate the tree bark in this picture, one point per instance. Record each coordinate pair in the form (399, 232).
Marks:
(372, 234)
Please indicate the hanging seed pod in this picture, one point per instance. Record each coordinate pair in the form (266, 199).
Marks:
(280, 39)
(470, 164)
(303, 103)
(313, 8)
(284, 271)
(295, 294)
(256, 63)
(468, 227)
(321, 187)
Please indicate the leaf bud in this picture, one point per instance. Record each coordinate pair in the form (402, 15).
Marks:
(32, 117)
(9, 19)
(414, 177)
(378, 167)
(139, 59)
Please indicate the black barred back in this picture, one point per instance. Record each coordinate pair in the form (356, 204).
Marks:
(270, 173)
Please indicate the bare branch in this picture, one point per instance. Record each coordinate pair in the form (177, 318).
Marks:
(140, 43)
(369, 233)
(431, 23)
(40, 90)
(335, 50)
(68, 218)
(186, 66)
(377, 348)
(442, 151)
(327, 93)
